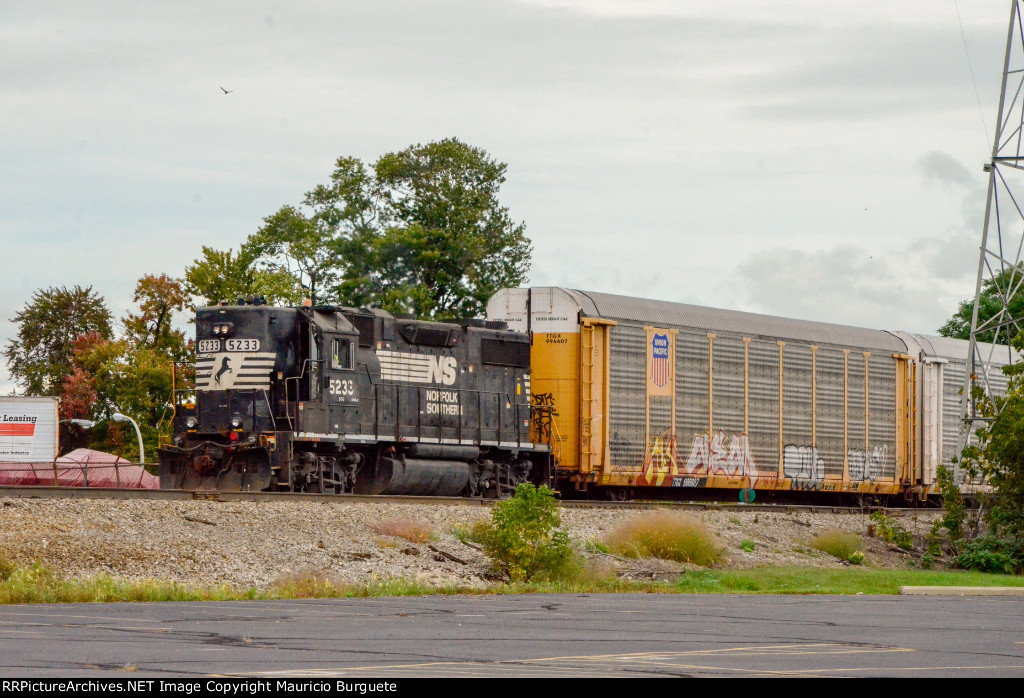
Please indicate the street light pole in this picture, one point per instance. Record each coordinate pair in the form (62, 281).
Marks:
(118, 417)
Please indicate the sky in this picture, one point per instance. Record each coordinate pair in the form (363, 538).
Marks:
(813, 160)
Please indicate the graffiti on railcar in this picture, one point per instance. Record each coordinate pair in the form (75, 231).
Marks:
(803, 463)
(866, 464)
(542, 407)
(661, 462)
(711, 455)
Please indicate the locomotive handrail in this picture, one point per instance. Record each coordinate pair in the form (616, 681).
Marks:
(270, 409)
(293, 420)
(175, 400)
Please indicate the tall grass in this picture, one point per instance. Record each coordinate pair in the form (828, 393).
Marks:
(844, 545)
(666, 535)
(409, 529)
(39, 584)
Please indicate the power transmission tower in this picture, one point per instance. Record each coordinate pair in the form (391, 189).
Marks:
(1000, 269)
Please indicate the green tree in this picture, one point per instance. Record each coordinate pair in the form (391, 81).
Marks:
(422, 232)
(225, 276)
(291, 243)
(41, 355)
(1006, 284)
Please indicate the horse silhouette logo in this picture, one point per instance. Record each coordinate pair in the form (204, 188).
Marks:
(224, 368)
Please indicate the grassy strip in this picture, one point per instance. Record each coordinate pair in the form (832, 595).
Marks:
(812, 580)
(36, 584)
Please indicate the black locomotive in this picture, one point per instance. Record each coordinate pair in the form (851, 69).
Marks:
(325, 399)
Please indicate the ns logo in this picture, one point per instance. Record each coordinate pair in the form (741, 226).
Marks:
(442, 369)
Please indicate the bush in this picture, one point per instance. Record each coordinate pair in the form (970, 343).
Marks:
(523, 539)
(666, 535)
(841, 544)
(992, 554)
(892, 531)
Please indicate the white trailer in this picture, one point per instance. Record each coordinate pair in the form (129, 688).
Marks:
(28, 429)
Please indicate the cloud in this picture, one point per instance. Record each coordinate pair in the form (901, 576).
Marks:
(952, 253)
(944, 169)
(845, 284)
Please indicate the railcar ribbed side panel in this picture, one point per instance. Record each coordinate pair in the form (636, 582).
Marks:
(627, 393)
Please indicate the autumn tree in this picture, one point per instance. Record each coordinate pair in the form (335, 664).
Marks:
(130, 374)
(133, 379)
(152, 326)
(40, 357)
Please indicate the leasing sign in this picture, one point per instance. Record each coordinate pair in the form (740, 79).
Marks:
(28, 429)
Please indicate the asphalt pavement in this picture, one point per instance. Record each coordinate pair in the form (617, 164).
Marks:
(618, 635)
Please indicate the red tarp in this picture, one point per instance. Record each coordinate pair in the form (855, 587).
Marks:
(78, 467)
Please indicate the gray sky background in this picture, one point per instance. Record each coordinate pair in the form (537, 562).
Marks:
(805, 159)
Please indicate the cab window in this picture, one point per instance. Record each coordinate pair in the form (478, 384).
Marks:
(342, 355)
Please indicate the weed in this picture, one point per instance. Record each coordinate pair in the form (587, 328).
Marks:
(462, 533)
(891, 530)
(841, 544)
(735, 521)
(748, 545)
(953, 503)
(409, 529)
(6, 568)
(308, 585)
(667, 535)
(596, 546)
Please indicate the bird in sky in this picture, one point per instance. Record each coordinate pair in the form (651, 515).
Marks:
(227, 92)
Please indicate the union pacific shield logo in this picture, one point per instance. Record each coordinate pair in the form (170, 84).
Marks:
(659, 360)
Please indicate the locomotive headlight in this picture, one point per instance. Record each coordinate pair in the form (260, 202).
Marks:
(191, 422)
(236, 422)
(216, 329)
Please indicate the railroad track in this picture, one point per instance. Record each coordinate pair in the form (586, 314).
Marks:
(180, 495)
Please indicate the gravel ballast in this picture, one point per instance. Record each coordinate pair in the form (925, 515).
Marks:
(255, 544)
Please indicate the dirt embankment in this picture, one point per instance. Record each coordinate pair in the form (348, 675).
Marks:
(248, 544)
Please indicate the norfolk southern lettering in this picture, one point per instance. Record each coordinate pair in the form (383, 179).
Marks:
(333, 400)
